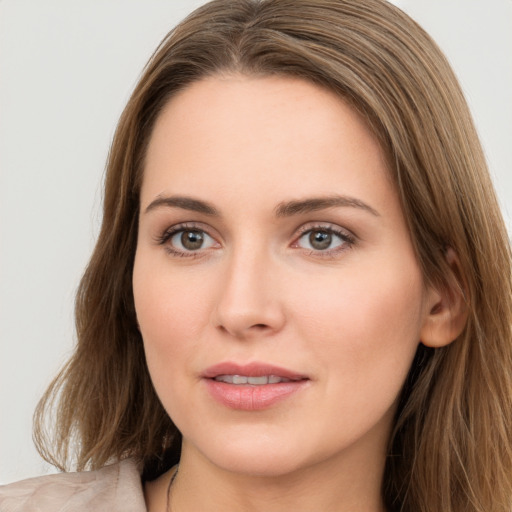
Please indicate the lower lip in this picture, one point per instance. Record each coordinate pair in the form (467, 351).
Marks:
(252, 398)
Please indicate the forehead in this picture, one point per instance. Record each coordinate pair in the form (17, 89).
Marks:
(247, 102)
(243, 133)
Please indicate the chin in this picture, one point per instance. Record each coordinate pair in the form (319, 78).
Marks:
(262, 457)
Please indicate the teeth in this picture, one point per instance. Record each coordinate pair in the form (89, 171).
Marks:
(254, 381)
(258, 381)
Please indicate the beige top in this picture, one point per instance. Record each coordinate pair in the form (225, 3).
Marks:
(115, 488)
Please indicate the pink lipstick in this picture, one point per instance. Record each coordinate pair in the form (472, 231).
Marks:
(251, 387)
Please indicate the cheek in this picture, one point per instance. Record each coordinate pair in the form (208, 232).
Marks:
(171, 312)
(365, 327)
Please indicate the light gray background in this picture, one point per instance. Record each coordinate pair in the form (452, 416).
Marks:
(66, 71)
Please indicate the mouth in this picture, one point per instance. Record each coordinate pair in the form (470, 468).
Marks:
(252, 387)
(255, 371)
(238, 380)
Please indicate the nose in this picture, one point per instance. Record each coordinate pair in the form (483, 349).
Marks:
(250, 300)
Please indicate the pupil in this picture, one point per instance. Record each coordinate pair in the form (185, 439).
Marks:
(320, 240)
(192, 240)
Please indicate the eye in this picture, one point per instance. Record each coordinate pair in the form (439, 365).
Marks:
(188, 240)
(324, 239)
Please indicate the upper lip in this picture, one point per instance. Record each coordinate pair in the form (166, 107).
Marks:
(254, 369)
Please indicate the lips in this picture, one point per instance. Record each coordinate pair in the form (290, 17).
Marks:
(252, 387)
(254, 381)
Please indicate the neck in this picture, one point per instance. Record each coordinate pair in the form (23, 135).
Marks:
(331, 486)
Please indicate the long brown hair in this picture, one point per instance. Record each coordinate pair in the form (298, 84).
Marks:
(451, 449)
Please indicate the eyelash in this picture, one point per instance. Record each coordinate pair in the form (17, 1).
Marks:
(167, 235)
(347, 239)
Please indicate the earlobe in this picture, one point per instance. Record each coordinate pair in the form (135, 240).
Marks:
(447, 309)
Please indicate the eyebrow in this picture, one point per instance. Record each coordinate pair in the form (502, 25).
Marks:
(285, 209)
(185, 203)
(313, 204)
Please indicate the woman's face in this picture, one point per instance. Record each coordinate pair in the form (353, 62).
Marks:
(276, 287)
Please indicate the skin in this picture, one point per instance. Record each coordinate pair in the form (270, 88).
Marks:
(348, 317)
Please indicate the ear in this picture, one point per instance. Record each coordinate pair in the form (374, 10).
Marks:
(447, 310)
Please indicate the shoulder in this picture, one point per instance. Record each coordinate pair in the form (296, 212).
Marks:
(113, 488)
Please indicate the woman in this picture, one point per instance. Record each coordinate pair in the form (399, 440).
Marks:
(300, 298)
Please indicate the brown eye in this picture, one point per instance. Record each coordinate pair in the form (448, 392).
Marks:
(189, 240)
(324, 240)
(320, 240)
(192, 240)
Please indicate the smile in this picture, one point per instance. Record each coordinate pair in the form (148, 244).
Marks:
(252, 387)
(253, 381)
